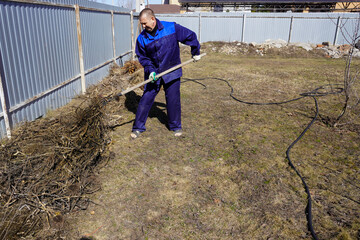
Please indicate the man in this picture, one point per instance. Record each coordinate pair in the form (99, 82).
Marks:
(157, 48)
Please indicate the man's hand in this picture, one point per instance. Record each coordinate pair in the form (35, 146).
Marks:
(153, 77)
(196, 58)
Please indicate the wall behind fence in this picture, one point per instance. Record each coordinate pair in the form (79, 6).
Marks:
(40, 55)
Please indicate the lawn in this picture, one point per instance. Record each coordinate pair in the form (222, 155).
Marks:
(228, 176)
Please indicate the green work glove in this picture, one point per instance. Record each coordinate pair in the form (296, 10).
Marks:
(153, 77)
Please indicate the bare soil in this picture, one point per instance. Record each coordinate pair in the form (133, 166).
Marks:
(227, 177)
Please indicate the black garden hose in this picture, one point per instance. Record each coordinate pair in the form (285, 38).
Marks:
(317, 92)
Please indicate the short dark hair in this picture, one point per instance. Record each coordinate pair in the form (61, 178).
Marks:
(147, 11)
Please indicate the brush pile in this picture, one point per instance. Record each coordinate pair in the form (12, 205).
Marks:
(47, 167)
(131, 66)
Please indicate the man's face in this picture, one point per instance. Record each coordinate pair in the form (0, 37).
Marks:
(148, 22)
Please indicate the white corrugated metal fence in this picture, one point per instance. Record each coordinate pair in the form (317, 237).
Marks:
(51, 51)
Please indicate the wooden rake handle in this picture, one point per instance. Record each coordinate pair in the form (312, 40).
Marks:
(158, 76)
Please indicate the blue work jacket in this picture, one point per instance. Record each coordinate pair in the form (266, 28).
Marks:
(161, 52)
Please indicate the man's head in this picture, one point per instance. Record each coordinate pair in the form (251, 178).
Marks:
(147, 19)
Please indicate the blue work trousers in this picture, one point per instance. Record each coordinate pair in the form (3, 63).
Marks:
(173, 105)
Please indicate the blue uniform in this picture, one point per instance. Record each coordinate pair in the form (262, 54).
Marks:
(156, 54)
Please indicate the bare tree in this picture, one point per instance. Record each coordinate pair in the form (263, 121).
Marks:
(350, 30)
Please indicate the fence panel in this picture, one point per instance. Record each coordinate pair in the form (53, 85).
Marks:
(190, 21)
(93, 77)
(313, 28)
(41, 106)
(38, 50)
(39, 55)
(122, 33)
(221, 28)
(268, 27)
(35, 41)
(306, 27)
(97, 41)
(122, 37)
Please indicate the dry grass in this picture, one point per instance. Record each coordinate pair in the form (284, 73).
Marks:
(228, 178)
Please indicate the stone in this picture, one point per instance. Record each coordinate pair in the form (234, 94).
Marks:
(344, 48)
(306, 46)
(357, 54)
(275, 43)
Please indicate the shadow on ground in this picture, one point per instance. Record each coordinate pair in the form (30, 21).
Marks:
(157, 110)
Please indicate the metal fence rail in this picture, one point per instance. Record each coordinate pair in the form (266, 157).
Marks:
(52, 51)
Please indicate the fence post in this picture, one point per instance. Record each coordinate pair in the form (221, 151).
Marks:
(5, 109)
(243, 29)
(337, 30)
(81, 57)
(113, 36)
(132, 36)
(199, 37)
(290, 29)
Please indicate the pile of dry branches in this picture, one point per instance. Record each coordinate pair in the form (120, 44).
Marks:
(48, 165)
(131, 66)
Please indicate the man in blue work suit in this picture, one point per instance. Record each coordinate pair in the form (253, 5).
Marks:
(157, 48)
